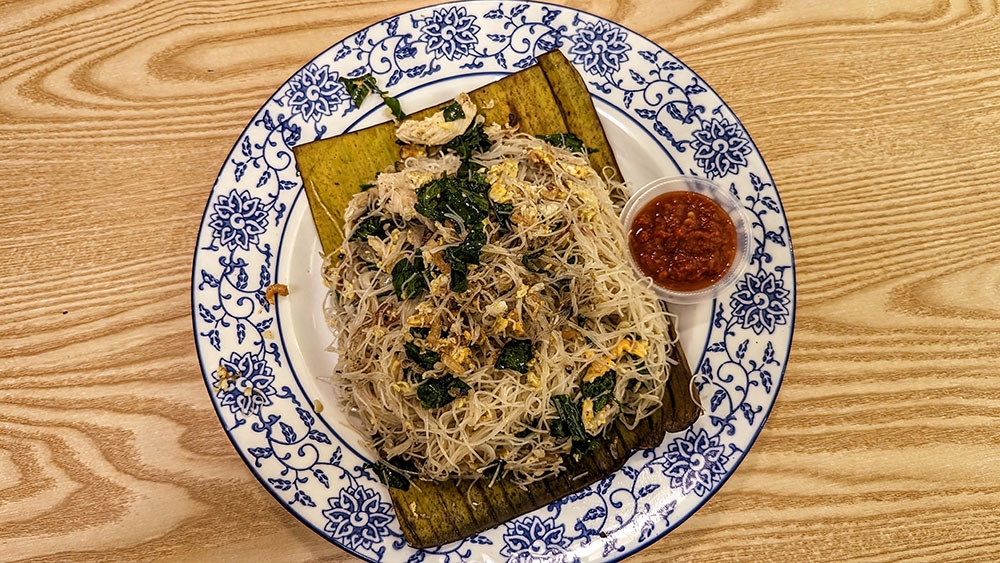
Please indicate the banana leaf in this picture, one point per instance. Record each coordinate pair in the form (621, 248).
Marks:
(548, 98)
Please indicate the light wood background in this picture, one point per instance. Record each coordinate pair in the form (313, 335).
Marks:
(880, 122)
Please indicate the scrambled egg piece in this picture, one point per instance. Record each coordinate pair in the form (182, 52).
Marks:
(439, 285)
(549, 210)
(434, 130)
(522, 291)
(638, 348)
(511, 323)
(226, 377)
(577, 171)
(589, 205)
(395, 368)
(500, 177)
(594, 422)
(423, 316)
(534, 379)
(569, 333)
(496, 308)
(598, 368)
(349, 291)
(554, 192)
(625, 345)
(532, 291)
(412, 151)
(540, 155)
(456, 358)
(525, 214)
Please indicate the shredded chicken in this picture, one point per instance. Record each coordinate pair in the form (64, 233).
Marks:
(435, 130)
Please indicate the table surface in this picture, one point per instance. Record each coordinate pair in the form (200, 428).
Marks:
(879, 121)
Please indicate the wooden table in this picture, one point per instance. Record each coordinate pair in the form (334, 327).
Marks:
(879, 121)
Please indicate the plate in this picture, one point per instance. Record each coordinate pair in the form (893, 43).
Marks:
(661, 118)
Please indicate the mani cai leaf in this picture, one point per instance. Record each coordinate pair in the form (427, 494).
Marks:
(436, 393)
(570, 425)
(424, 359)
(390, 477)
(502, 213)
(453, 197)
(570, 421)
(408, 278)
(567, 140)
(462, 199)
(599, 386)
(473, 140)
(515, 355)
(453, 112)
(532, 263)
(469, 249)
(360, 87)
(459, 277)
(371, 226)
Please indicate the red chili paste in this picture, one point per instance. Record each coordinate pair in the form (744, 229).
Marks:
(683, 240)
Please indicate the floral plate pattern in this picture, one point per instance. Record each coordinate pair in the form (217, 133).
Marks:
(264, 393)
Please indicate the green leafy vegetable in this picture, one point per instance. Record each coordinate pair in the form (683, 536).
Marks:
(459, 281)
(473, 140)
(570, 425)
(451, 197)
(408, 278)
(568, 141)
(494, 470)
(371, 226)
(392, 478)
(458, 199)
(532, 263)
(419, 331)
(461, 255)
(582, 448)
(469, 249)
(515, 355)
(528, 430)
(570, 421)
(423, 359)
(599, 386)
(603, 400)
(473, 171)
(436, 393)
(501, 214)
(453, 112)
(360, 87)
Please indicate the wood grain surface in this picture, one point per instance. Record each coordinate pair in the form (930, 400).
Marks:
(879, 121)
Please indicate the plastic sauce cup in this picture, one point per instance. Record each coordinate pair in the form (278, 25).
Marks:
(726, 200)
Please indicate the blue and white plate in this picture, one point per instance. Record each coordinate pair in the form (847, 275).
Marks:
(661, 119)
